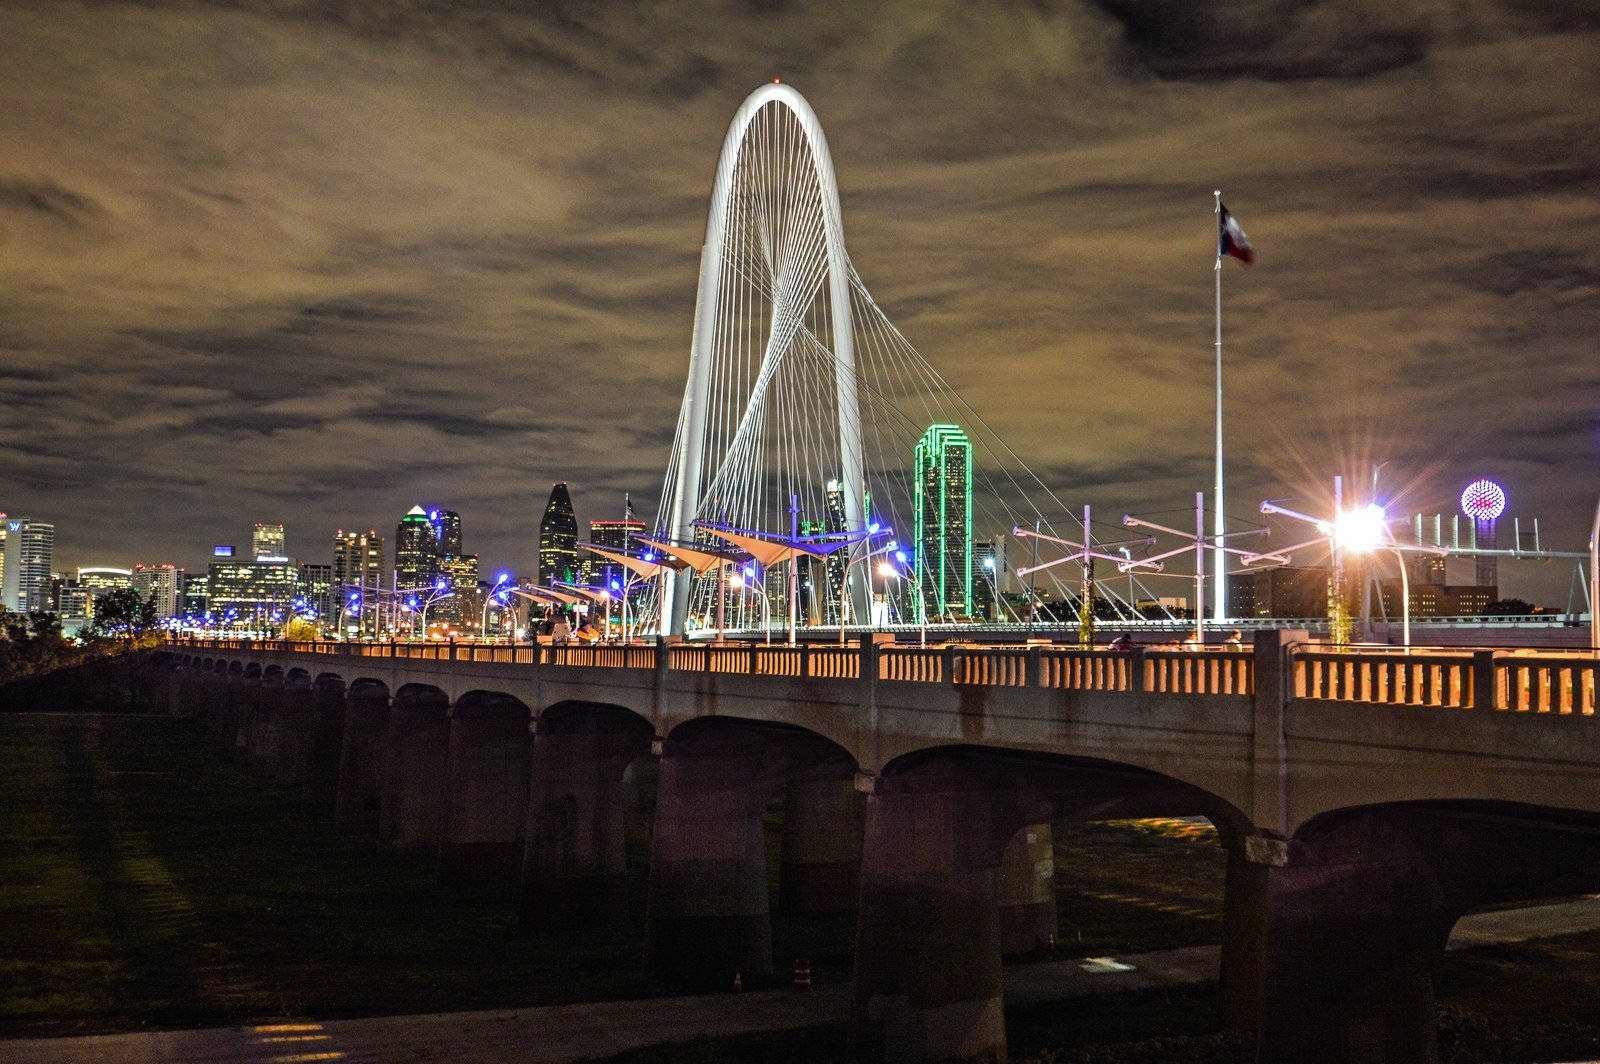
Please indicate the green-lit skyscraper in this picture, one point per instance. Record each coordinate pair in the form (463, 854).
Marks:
(944, 520)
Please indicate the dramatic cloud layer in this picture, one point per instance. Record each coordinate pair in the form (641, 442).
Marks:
(317, 261)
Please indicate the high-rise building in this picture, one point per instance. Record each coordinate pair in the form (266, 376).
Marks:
(96, 580)
(196, 596)
(68, 598)
(160, 582)
(254, 596)
(416, 550)
(943, 508)
(266, 541)
(359, 569)
(465, 602)
(558, 538)
(985, 580)
(446, 532)
(29, 553)
(316, 590)
(613, 535)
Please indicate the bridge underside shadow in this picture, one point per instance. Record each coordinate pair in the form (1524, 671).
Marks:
(929, 939)
(1361, 914)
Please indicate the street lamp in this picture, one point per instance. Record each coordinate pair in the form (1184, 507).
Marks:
(851, 559)
(1362, 530)
(905, 562)
(744, 579)
(886, 570)
(441, 591)
(500, 581)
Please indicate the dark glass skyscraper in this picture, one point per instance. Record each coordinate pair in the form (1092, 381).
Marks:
(558, 538)
(447, 529)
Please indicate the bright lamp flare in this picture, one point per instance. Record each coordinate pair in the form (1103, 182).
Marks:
(1362, 530)
(1483, 500)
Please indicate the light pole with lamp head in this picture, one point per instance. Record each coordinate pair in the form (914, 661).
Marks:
(852, 559)
(500, 581)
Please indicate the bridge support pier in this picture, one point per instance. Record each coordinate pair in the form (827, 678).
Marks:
(486, 791)
(823, 820)
(708, 911)
(927, 978)
(294, 740)
(1361, 914)
(266, 727)
(1349, 976)
(1025, 890)
(414, 769)
(573, 871)
(361, 755)
(1247, 885)
(319, 779)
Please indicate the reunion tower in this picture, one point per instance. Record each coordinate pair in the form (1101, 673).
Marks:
(1484, 501)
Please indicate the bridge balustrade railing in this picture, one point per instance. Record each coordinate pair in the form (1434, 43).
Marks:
(1087, 670)
(1548, 683)
(1420, 678)
(911, 664)
(1198, 672)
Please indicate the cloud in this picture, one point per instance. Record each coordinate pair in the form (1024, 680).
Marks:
(314, 262)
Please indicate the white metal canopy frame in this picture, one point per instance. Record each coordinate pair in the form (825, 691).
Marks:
(770, 409)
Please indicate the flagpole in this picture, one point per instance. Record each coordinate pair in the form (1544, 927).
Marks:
(1219, 523)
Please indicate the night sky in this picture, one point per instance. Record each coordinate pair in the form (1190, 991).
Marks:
(315, 262)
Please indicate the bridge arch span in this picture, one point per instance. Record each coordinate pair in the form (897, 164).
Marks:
(1361, 913)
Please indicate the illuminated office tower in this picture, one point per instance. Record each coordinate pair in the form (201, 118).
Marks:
(163, 582)
(613, 535)
(943, 508)
(266, 541)
(358, 567)
(558, 538)
(29, 553)
(416, 550)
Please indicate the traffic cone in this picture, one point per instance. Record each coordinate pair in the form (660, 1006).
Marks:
(738, 984)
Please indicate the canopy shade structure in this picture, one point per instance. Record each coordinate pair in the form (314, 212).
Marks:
(644, 568)
(770, 551)
(701, 561)
(550, 596)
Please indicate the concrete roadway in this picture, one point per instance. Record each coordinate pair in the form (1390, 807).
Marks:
(562, 1034)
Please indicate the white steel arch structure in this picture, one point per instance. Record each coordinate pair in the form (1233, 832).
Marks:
(772, 331)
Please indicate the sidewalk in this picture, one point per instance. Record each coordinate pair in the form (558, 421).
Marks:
(563, 1034)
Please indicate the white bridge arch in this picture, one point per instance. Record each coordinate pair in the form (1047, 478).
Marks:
(772, 320)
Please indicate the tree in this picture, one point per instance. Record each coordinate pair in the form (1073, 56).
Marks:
(1508, 608)
(300, 630)
(122, 611)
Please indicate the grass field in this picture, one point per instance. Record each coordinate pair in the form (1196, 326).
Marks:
(148, 882)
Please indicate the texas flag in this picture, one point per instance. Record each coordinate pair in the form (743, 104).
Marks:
(1231, 239)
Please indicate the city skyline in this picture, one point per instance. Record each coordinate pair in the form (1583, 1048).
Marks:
(1028, 193)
